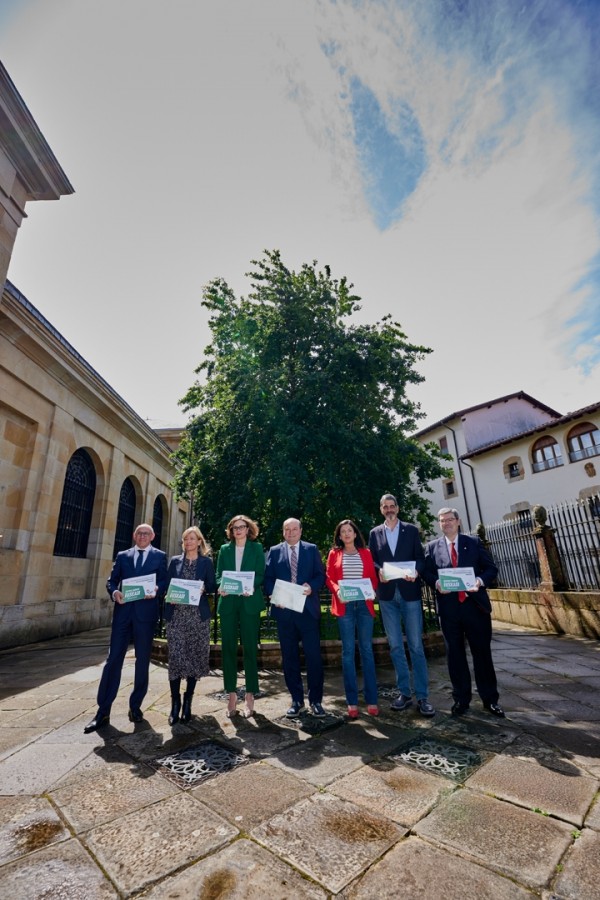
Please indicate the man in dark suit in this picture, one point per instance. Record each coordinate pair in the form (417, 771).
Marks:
(132, 621)
(298, 562)
(465, 614)
(400, 602)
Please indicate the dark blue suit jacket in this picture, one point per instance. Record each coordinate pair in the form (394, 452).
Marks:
(471, 552)
(408, 547)
(205, 571)
(124, 567)
(310, 571)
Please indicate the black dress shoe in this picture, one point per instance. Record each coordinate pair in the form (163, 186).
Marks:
(136, 715)
(495, 709)
(96, 723)
(458, 708)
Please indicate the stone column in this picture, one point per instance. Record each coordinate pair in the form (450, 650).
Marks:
(551, 570)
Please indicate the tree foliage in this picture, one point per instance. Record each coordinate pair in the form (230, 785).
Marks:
(299, 411)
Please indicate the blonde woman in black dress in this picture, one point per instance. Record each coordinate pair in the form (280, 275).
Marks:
(188, 627)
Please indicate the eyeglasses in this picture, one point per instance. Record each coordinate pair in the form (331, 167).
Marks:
(447, 521)
(239, 527)
(143, 534)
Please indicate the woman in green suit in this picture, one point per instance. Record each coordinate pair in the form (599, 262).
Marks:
(240, 612)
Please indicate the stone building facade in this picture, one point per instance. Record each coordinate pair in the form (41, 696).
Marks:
(78, 467)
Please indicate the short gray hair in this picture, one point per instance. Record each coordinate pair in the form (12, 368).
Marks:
(445, 510)
(388, 497)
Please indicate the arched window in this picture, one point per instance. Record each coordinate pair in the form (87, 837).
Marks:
(125, 517)
(583, 441)
(157, 523)
(546, 454)
(75, 516)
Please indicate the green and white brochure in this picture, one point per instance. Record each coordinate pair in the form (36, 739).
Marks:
(457, 579)
(138, 587)
(393, 570)
(185, 592)
(352, 590)
(288, 595)
(237, 582)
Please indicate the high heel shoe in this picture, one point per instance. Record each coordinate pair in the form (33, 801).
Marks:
(232, 707)
(249, 706)
(353, 712)
(373, 710)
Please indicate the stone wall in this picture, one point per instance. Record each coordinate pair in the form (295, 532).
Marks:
(558, 612)
(52, 404)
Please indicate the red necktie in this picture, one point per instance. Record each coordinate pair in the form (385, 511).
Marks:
(454, 559)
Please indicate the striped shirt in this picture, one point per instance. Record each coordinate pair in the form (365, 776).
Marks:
(352, 565)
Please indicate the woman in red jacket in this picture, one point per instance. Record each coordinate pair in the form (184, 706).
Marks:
(350, 560)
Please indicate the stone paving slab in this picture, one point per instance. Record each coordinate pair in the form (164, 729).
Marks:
(399, 792)
(37, 767)
(373, 738)
(242, 871)
(478, 733)
(521, 844)
(110, 794)
(53, 714)
(26, 825)
(148, 844)
(64, 872)
(593, 817)
(260, 737)
(251, 794)
(418, 871)
(15, 738)
(529, 784)
(330, 840)
(580, 875)
(319, 761)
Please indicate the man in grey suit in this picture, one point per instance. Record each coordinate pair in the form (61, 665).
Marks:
(400, 602)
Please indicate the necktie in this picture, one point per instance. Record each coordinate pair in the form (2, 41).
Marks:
(139, 562)
(454, 559)
(294, 564)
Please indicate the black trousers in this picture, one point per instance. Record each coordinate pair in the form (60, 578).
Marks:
(468, 621)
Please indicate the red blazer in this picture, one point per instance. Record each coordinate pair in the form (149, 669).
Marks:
(334, 573)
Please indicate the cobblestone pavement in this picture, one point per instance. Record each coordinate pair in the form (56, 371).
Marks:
(399, 806)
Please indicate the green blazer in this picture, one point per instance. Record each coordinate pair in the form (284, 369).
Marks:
(253, 560)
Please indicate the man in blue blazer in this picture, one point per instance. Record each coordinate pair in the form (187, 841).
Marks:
(298, 562)
(465, 614)
(132, 621)
(400, 602)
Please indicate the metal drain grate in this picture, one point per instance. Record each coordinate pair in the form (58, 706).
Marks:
(196, 764)
(449, 760)
(223, 696)
(387, 691)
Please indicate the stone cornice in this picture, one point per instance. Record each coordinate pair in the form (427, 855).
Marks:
(37, 338)
(26, 147)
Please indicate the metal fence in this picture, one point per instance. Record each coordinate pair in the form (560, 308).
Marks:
(577, 534)
(576, 527)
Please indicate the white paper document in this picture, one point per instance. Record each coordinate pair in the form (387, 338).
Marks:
(138, 587)
(406, 569)
(457, 579)
(289, 596)
(237, 582)
(353, 589)
(183, 591)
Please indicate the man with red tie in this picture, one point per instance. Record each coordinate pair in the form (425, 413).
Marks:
(464, 614)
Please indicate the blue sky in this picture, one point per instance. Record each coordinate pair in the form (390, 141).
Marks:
(443, 155)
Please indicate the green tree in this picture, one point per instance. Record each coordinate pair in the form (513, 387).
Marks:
(299, 411)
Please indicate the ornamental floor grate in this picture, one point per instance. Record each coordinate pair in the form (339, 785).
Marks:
(440, 758)
(223, 696)
(195, 764)
(387, 691)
